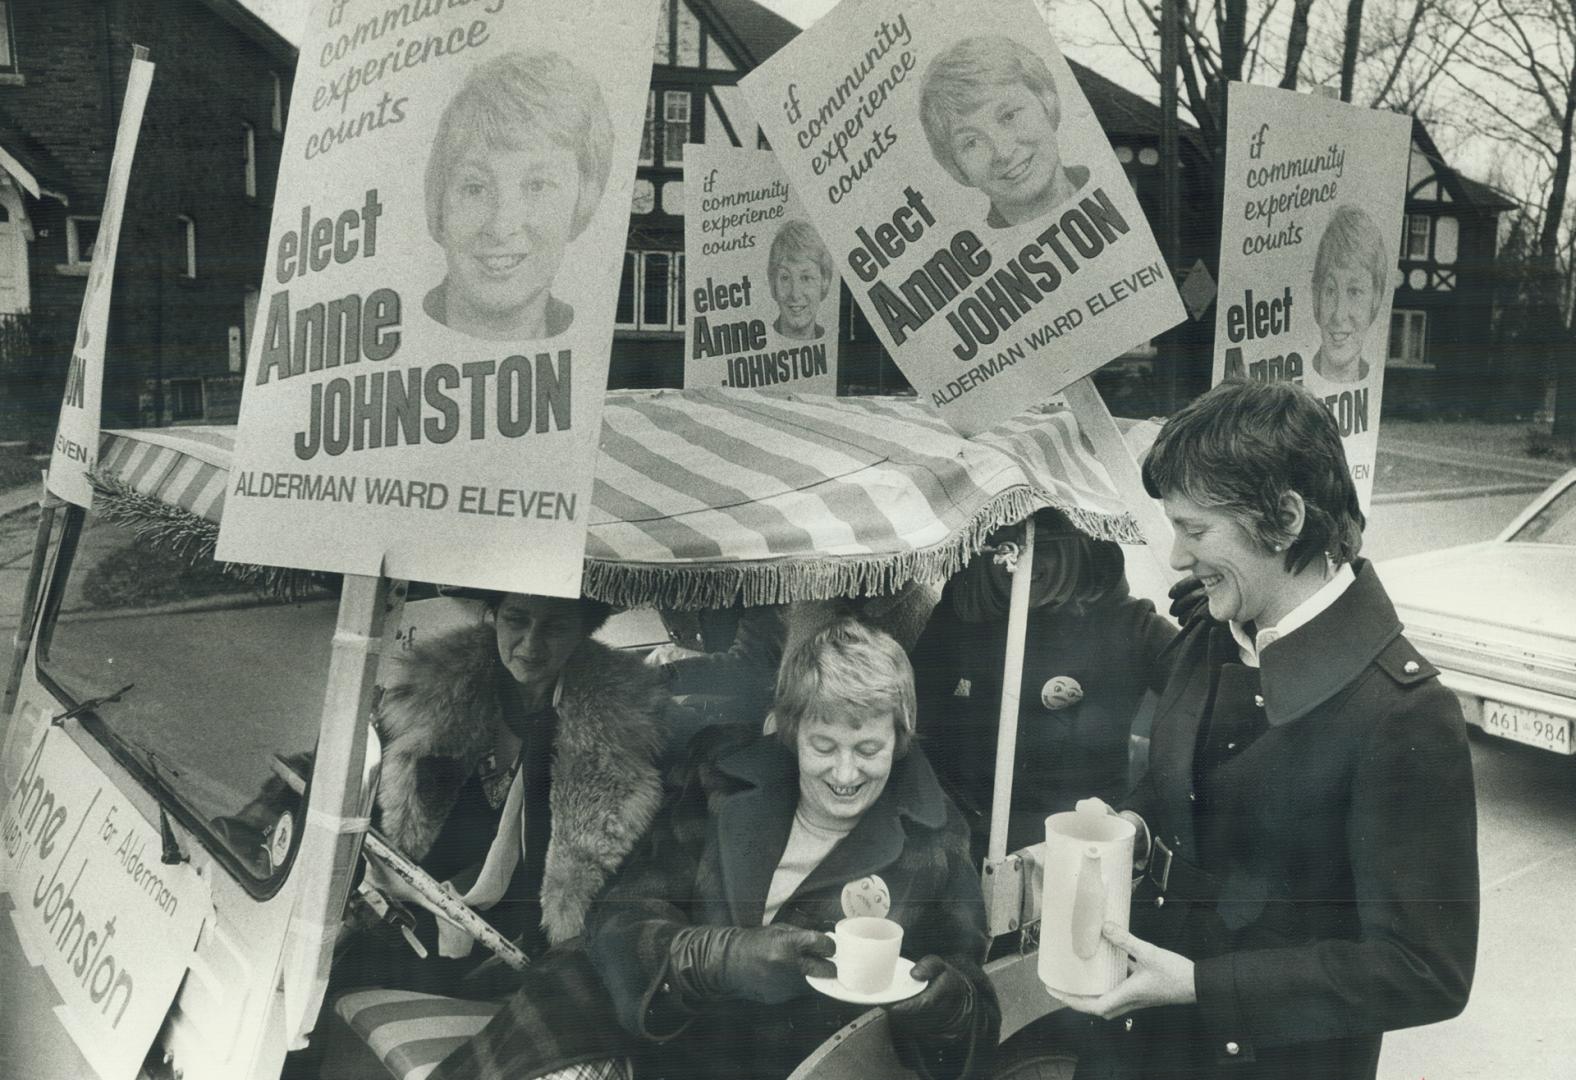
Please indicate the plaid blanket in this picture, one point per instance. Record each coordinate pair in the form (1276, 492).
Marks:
(560, 1018)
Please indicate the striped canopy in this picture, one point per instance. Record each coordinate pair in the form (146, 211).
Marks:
(707, 496)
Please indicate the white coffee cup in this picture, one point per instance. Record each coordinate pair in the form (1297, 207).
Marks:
(867, 951)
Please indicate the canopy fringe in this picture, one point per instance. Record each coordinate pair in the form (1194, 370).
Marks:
(627, 585)
(688, 588)
(194, 538)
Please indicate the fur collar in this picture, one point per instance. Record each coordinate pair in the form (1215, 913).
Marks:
(436, 724)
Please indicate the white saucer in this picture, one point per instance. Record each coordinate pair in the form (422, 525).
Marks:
(903, 986)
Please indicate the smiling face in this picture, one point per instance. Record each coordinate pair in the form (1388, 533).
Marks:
(844, 762)
(798, 288)
(507, 216)
(1344, 305)
(1007, 147)
(1244, 582)
(536, 634)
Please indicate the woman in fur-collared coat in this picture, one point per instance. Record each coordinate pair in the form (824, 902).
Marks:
(520, 765)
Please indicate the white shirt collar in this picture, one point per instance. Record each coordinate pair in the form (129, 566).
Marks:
(1298, 616)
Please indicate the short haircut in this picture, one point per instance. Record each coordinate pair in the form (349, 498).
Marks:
(517, 98)
(1242, 446)
(796, 239)
(846, 663)
(1352, 238)
(593, 613)
(961, 79)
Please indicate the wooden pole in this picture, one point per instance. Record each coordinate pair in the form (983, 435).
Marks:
(1110, 449)
(335, 815)
(1011, 680)
(22, 639)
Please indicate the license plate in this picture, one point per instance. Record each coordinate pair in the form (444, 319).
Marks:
(1528, 726)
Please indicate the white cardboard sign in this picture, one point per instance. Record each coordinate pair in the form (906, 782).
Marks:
(954, 167)
(110, 926)
(1311, 229)
(424, 389)
(764, 303)
(75, 451)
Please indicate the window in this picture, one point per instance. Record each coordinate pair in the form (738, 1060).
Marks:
(249, 158)
(188, 258)
(651, 291)
(81, 237)
(676, 125)
(1416, 241)
(1408, 334)
(276, 108)
(226, 791)
(183, 398)
(648, 135)
(7, 38)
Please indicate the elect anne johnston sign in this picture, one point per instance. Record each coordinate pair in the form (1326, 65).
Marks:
(106, 929)
(424, 389)
(956, 172)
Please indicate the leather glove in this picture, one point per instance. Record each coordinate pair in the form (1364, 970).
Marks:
(944, 1009)
(763, 963)
(1188, 600)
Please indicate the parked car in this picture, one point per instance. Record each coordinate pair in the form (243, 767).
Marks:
(1499, 620)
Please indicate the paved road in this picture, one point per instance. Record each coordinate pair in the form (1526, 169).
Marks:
(1521, 1021)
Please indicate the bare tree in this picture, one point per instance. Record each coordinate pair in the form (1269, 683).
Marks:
(1524, 53)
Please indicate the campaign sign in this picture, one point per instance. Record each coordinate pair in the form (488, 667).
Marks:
(75, 451)
(1311, 226)
(424, 388)
(94, 911)
(954, 167)
(764, 301)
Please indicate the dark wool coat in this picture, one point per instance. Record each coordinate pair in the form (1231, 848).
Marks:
(710, 860)
(1330, 795)
(1066, 751)
(437, 724)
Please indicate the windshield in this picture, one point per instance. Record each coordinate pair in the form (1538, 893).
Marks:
(1554, 524)
(225, 687)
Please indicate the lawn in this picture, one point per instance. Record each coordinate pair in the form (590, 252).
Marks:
(1506, 439)
(17, 468)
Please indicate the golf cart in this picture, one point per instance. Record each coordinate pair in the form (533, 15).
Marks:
(157, 927)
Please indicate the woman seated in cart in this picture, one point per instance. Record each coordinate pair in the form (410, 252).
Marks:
(707, 936)
(520, 765)
(1308, 815)
(1091, 650)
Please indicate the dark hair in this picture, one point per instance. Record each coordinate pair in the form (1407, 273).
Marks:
(593, 613)
(1245, 444)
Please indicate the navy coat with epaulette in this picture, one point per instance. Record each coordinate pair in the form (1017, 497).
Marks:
(1329, 794)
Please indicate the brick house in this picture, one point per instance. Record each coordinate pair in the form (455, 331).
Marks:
(198, 206)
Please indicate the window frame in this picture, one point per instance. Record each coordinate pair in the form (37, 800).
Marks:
(1414, 329)
(74, 237)
(188, 224)
(276, 104)
(1425, 234)
(675, 310)
(249, 158)
(8, 60)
